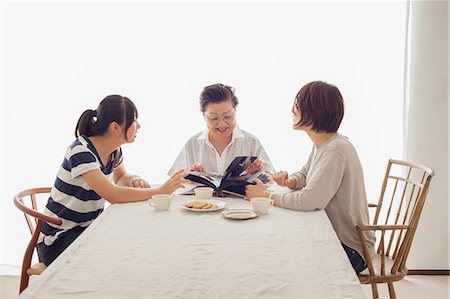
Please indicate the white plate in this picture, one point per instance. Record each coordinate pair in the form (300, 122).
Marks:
(239, 214)
(220, 205)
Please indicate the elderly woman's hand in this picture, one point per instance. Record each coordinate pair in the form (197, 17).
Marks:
(197, 167)
(255, 167)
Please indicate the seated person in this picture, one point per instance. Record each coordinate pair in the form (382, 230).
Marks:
(332, 179)
(93, 172)
(215, 148)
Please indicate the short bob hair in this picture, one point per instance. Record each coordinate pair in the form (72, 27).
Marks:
(321, 106)
(217, 93)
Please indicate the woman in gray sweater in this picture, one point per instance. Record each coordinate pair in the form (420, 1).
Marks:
(332, 179)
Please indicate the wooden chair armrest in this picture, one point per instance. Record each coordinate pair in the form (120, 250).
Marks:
(19, 204)
(372, 205)
(381, 227)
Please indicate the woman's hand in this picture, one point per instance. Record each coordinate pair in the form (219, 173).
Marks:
(197, 167)
(138, 182)
(256, 190)
(282, 178)
(176, 181)
(255, 167)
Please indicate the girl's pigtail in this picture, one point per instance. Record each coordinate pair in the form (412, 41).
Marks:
(86, 123)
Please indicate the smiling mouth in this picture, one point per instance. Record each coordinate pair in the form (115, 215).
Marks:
(222, 130)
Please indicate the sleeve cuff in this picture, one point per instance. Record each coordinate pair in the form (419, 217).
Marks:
(82, 169)
(277, 198)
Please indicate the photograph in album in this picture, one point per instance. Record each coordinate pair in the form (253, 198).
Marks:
(234, 179)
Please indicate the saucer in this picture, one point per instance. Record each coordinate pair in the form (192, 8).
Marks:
(239, 214)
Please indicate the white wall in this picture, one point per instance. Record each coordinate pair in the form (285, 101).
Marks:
(428, 128)
(60, 58)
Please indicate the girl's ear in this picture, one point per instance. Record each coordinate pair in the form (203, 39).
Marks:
(115, 129)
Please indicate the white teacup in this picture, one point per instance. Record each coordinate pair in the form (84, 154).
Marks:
(204, 192)
(161, 202)
(261, 205)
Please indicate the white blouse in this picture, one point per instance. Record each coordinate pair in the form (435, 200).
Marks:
(199, 150)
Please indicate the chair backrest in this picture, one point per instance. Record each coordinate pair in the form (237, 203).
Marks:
(32, 211)
(33, 224)
(403, 193)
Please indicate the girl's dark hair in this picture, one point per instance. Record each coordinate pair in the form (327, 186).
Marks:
(217, 93)
(113, 108)
(320, 105)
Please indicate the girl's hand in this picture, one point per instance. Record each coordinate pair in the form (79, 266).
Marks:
(255, 167)
(256, 190)
(176, 181)
(138, 182)
(197, 167)
(282, 178)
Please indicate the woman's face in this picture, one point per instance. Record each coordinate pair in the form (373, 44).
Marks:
(132, 130)
(296, 118)
(220, 119)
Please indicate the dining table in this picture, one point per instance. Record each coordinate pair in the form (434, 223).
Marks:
(134, 251)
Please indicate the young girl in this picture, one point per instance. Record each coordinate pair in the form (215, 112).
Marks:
(92, 171)
(332, 179)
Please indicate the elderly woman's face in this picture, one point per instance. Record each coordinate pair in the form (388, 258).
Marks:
(220, 118)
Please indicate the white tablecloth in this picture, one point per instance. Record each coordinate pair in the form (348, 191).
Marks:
(133, 251)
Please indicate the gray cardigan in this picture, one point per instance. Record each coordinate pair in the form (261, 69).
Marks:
(333, 180)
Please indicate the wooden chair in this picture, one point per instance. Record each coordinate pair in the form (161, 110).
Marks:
(401, 201)
(35, 227)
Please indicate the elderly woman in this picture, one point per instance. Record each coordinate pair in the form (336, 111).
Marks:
(215, 148)
(332, 179)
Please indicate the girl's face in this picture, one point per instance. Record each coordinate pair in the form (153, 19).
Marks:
(220, 119)
(132, 130)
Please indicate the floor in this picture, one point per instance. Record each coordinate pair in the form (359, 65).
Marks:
(412, 287)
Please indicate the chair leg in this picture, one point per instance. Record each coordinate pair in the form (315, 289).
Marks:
(374, 291)
(24, 278)
(26, 263)
(391, 290)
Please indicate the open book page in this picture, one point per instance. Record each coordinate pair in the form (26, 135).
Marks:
(205, 178)
(234, 180)
(238, 166)
(236, 184)
(245, 179)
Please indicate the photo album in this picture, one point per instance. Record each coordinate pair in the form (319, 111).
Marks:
(233, 181)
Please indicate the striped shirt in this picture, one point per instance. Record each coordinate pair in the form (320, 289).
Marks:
(71, 198)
